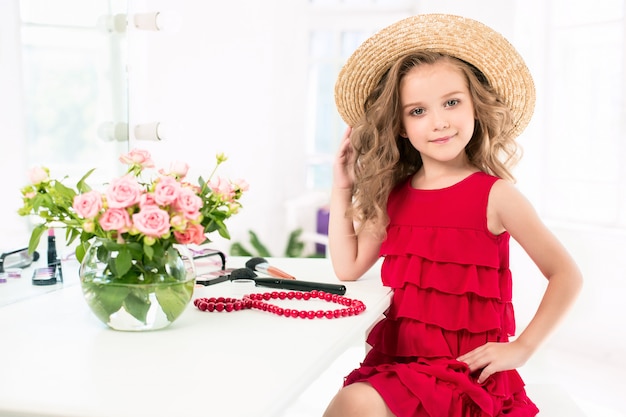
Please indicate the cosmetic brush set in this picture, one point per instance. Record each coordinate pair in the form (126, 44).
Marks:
(277, 278)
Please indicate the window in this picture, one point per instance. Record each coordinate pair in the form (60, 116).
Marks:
(337, 29)
(584, 143)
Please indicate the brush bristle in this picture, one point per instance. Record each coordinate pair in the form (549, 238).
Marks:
(252, 263)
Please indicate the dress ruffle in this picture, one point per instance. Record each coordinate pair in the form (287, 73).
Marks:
(444, 245)
(411, 338)
(451, 278)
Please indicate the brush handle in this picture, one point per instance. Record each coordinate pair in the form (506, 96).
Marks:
(298, 285)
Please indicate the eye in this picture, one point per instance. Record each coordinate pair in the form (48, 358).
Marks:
(451, 103)
(416, 112)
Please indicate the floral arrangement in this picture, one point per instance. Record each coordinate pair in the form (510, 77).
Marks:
(140, 219)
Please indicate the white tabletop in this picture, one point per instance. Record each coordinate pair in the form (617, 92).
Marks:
(57, 359)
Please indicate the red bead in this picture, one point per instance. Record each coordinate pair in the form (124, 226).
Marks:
(306, 296)
(319, 314)
(290, 295)
(314, 293)
(298, 296)
(328, 314)
(337, 313)
(280, 311)
(310, 314)
(282, 295)
(229, 307)
(274, 294)
(302, 314)
(287, 312)
(267, 296)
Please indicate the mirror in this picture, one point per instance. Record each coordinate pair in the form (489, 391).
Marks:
(74, 67)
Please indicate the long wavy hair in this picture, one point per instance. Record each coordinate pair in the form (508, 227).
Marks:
(382, 158)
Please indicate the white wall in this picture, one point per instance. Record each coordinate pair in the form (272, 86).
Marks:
(231, 79)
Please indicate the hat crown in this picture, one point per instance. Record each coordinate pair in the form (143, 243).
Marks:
(457, 36)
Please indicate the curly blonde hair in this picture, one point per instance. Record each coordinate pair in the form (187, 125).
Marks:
(382, 158)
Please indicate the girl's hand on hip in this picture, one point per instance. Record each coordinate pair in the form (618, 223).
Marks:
(495, 357)
(343, 173)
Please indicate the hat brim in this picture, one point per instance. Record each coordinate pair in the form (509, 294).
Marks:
(463, 38)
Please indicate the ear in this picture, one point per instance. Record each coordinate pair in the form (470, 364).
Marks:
(402, 133)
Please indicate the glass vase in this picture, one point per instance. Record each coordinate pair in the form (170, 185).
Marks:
(150, 299)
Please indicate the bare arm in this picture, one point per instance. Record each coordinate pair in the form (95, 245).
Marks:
(509, 210)
(351, 255)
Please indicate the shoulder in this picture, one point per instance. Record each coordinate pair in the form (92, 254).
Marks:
(510, 206)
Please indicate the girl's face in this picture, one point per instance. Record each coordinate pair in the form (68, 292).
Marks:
(437, 112)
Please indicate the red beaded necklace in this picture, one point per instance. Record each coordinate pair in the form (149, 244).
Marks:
(257, 301)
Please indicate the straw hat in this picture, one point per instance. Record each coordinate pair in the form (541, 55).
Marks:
(463, 38)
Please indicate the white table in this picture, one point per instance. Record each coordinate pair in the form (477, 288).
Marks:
(57, 359)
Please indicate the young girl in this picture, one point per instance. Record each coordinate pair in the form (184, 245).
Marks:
(422, 179)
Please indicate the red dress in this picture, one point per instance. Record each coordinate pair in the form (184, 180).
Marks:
(452, 293)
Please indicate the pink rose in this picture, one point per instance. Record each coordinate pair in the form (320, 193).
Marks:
(178, 169)
(242, 184)
(152, 221)
(147, 199)
(138, 157)
(189, 203)
(123, 192)
(166, 191)
(178, 222)
(115, 219)
(38, 175)
(222, 188)
(88, 205)
(193, 234)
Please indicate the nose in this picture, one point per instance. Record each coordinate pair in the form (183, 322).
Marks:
(440, 122)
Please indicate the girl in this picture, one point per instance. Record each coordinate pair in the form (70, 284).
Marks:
(423, 179)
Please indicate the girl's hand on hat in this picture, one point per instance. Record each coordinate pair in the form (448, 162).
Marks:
(495, 357)
(343, 174)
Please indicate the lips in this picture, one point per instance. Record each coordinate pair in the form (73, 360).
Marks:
(441, 140)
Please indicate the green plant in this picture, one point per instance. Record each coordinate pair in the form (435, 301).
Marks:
(294, 249)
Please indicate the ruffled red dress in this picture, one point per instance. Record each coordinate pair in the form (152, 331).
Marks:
(452, 293)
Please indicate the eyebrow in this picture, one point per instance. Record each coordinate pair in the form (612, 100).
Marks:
(447, 95)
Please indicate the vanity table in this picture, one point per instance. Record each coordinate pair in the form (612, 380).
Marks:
(57, 359)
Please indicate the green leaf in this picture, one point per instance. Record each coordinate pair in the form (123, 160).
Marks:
(260, 247)
(104, 300)
(81, 249)
(173, 298)
(295, 246)
(237, 249)
(35, 237)
(137, 303)
(148, 251)
(81, 185)
(123, 262)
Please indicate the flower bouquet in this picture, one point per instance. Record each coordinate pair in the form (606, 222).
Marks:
(134, 228)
